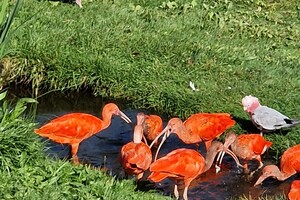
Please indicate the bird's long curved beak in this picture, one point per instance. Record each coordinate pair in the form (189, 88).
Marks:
(158, 136)
(260, 180)
(226, 150)
(166, 133)
(221, 156)
(124, 117)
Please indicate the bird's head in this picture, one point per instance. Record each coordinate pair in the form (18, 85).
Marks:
(113, 109)
(268, 171)
(140, 118)
(175, 125)
(250, 103)
(229, 139)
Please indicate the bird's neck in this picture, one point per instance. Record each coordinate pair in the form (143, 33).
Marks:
(210, 157)
(253, 107)
(138, 134)
(106, 120)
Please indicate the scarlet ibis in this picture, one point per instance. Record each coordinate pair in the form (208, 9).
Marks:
(74, 127)
(247, 147)
(289, 165)
(294, 193)
(185, 164)
(264, 118)
(136, 156)
(200, 127)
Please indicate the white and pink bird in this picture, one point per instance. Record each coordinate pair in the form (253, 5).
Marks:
(264, 118)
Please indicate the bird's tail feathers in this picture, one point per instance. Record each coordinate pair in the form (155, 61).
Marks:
(291, 123)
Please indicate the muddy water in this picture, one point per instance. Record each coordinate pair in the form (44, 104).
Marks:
(102, 149)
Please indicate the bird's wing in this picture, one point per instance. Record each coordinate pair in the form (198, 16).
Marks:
(260, 145)
(138, 155)
(153, 126)
(71, 126)
(179, 163)
(209, 125)
(290, 160)
(269, 119)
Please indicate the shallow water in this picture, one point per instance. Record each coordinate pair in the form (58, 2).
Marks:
(102, 150)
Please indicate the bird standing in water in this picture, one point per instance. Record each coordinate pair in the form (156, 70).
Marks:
(246, 147)
(289, 165)
(264, 118)
(136, 156)
(74, 127)
(201, 127)
(185, 164)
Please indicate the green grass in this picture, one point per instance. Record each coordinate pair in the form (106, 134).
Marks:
(26, 173)
(146, 52)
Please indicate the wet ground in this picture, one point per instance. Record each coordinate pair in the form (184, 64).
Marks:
(102, 150)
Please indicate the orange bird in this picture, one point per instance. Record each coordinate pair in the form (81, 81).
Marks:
(185, 164)
(294, 193)
(247, 147)
(74, 127)
(289, 165)
(136, 156)
(152, 126)
(197, 128)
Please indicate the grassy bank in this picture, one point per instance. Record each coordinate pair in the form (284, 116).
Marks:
(26, 173)
(146, 52)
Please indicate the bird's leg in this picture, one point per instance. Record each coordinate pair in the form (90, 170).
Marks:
(74, 149)
(261, 133)
(75, 159)
(176, 193)
(185, 193)
(186, 186)
(261, 164)
(246, 170)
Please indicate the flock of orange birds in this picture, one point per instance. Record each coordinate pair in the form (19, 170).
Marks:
(185, 164)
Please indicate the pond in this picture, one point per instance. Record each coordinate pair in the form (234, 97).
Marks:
(102, 150)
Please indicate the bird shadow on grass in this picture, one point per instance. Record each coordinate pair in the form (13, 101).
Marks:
(249, 127)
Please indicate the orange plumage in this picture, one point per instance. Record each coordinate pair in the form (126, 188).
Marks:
(74, 127)
(289, 165)
(294, 193)
(206, 127)
(247, 147)
(201, 127)
(185, 164)
(136, 157)
(152, 126)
